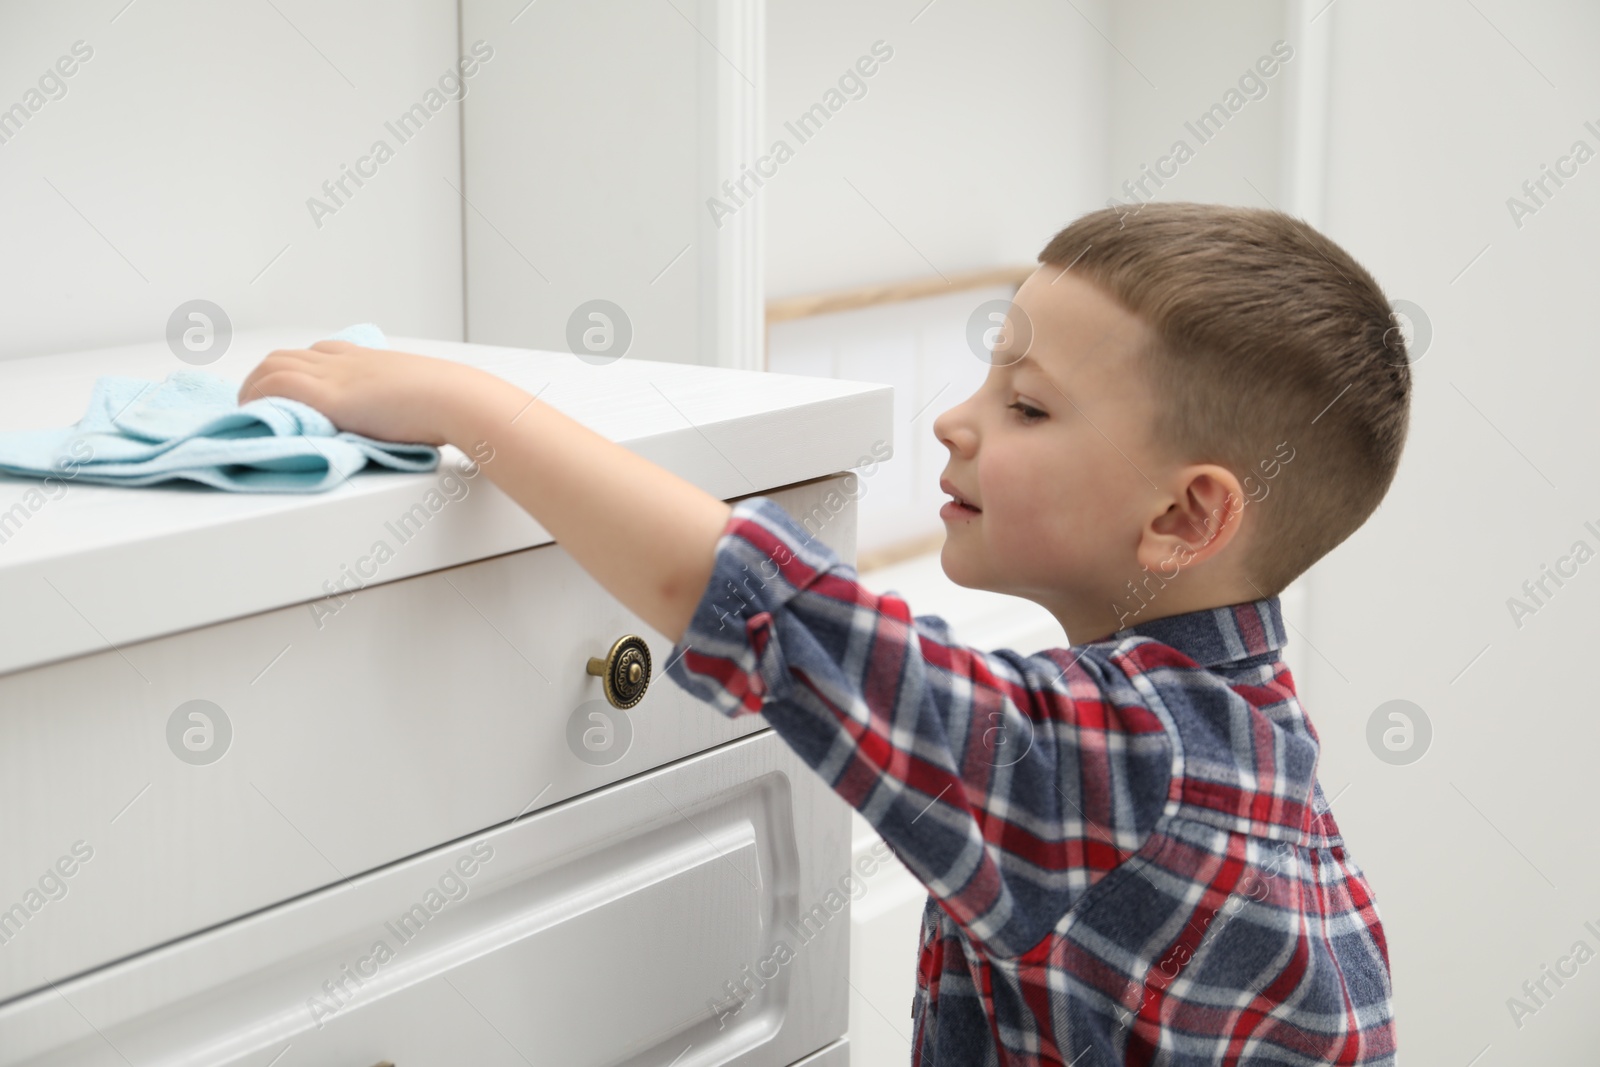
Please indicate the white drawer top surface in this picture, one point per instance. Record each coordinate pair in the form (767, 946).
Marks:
(94, 566)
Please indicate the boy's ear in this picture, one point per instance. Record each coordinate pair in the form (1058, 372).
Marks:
(1199, 523)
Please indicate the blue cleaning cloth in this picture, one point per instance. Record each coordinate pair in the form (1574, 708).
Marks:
(191, 426)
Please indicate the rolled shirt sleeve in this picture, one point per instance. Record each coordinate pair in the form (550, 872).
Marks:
(1007, 784)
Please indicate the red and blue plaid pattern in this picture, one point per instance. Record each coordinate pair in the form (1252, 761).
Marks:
(1128, 856)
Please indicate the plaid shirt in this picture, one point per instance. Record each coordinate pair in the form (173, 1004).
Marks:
(1128, 856)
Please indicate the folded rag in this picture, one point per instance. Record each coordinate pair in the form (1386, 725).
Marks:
(191, 426)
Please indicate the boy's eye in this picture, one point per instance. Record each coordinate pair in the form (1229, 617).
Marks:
(1025, 412)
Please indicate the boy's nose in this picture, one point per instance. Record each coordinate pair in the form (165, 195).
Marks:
(954, 432)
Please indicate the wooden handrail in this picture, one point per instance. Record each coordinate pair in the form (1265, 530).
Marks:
(799, 307)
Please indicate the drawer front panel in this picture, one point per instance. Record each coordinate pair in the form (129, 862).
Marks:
(333, 738)
(606, 930)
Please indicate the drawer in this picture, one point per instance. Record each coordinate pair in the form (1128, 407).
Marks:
(360, 732)
(603, 930)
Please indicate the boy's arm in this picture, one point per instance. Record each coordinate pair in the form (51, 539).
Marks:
(645, 534)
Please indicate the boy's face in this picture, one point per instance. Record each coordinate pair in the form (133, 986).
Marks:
(1063, 497)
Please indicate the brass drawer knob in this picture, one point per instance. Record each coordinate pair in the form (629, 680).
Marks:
(625, 670)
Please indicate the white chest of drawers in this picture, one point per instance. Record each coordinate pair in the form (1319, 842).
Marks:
(263, 797)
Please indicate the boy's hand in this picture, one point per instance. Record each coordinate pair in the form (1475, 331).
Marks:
(385, 395)
(647, 535)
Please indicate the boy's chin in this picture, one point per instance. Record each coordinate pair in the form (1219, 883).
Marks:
(955, 568)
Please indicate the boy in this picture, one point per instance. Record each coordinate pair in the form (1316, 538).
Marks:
(1128, 856)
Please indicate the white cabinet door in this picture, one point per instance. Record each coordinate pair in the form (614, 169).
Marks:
(641, 923)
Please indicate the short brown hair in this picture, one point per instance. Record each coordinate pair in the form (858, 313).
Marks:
(1262, 331)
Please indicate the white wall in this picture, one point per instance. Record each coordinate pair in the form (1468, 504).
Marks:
(178, 164)
(593, 156)
(981, 137)
(1479, 852)
(582, 173)
(1172, 62)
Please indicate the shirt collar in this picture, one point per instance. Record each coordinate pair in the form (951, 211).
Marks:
(1213, 636)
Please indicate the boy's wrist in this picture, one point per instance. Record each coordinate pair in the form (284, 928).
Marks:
(473, 402)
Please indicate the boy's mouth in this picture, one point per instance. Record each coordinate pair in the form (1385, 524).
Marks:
(958, 500)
